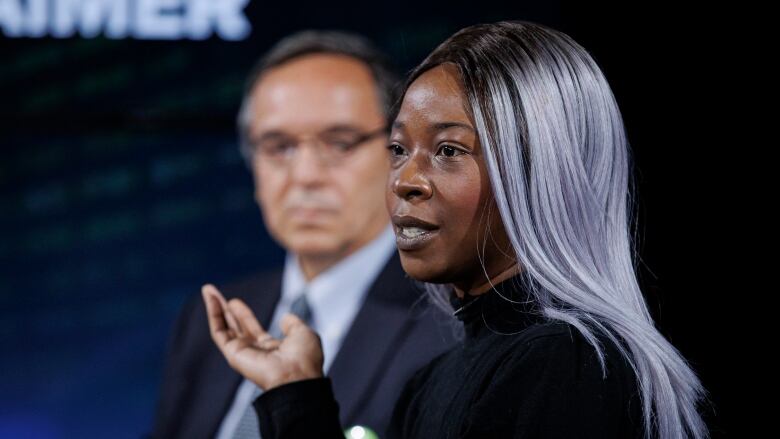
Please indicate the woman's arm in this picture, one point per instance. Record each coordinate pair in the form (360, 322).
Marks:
(301, 409)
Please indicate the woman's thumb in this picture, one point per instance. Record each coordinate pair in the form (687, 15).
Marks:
(290, 322)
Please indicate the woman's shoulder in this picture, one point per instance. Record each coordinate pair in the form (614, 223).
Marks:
(552, 372)
(421, 374)
(558, 340)
(558, 357)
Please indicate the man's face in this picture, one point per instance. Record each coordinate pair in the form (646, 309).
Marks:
(309, 207)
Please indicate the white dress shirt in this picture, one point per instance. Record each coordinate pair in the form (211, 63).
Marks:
(335, 296)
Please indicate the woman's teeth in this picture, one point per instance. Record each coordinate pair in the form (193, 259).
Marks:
(412, 232)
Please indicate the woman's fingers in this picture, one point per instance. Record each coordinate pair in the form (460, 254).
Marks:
(231, 320)
(247, 320)
(249, 323)
(212, 291)
(292, 323)
(227, 336)
(265, 360)
(216, 316)
(268, 344)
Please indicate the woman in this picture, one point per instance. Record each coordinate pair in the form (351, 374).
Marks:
(509, 191)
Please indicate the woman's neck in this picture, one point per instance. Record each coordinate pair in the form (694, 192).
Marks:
(483, 287)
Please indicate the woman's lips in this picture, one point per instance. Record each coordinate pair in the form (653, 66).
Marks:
(412, 238)
(412, 233)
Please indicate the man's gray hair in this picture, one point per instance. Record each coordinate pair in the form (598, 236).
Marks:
(321, 41)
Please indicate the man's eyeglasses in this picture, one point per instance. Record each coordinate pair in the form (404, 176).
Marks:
(332, 146)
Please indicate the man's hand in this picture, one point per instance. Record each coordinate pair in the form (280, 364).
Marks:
(253, 352)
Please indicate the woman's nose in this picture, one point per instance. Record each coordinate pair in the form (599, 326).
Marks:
(410, 180)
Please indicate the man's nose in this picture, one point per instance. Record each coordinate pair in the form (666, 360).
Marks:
(306, 166)
(410, 180)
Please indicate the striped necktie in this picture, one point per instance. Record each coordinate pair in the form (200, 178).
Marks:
(248, 427)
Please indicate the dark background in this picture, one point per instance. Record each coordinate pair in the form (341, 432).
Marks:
(122, 190)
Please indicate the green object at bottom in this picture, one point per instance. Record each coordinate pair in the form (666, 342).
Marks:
(360, 432)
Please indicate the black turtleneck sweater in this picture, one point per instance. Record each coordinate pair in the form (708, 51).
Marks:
(515, 375)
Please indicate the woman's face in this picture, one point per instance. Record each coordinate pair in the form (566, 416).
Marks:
(439, 195)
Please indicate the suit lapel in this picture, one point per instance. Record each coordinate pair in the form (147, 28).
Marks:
(368, 345)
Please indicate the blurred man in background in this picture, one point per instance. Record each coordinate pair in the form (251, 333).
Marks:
(314, 125)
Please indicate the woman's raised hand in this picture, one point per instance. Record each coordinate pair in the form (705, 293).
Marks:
(253, 352)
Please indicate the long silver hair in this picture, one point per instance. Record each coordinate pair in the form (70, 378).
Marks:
(560, 169)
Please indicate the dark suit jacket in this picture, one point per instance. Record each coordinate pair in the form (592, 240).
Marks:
(395, 333)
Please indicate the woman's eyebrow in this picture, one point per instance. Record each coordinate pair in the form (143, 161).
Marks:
(438, 126)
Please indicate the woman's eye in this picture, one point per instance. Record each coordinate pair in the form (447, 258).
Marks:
(395, 149)
(450, 151)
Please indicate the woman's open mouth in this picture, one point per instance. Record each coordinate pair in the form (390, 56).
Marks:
(412, 233)
(413, 238)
